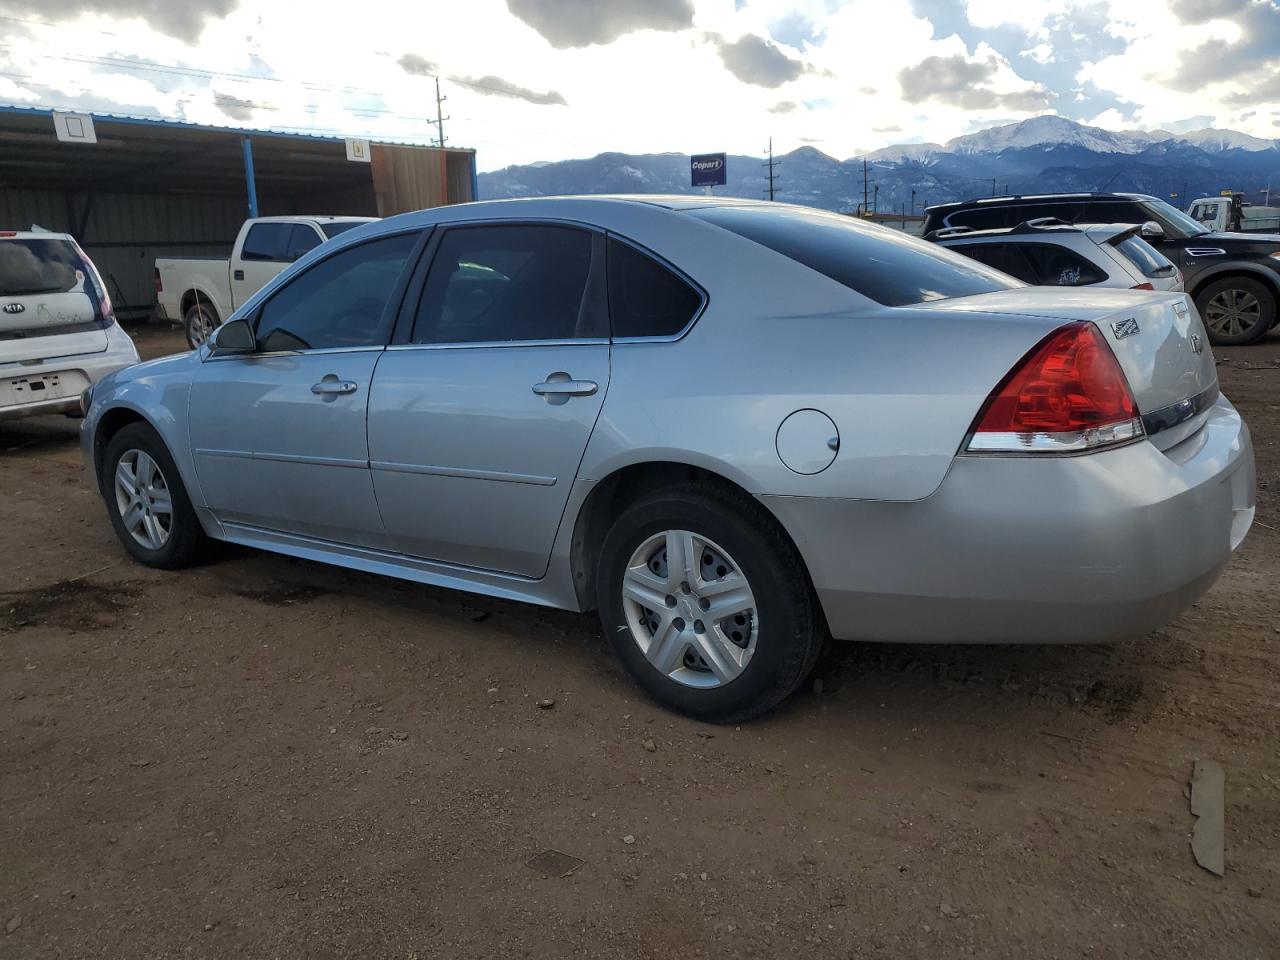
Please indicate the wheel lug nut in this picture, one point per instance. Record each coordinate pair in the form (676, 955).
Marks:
(685, 587)
(704, 603)
(671, 601)
(678, 623)
(699, 627)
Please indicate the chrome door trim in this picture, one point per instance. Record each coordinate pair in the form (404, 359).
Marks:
(267, 355)
(490, 344)
(284, 458)
(436, 471)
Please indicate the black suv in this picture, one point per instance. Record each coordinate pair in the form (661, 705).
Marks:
(1233, 277)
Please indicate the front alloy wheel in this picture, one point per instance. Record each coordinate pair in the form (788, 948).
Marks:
(690, 609)
(143, 499)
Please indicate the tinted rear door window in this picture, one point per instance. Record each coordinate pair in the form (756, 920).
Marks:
(884, 265)
(645, 298)
(302, 238)
(1055, 266)
(1005, 257)
(508, 282)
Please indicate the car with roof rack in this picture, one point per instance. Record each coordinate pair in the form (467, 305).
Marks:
(1048, 252)
(1233, 278)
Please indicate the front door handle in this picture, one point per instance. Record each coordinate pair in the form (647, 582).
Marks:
(559, 387)
(331, 386)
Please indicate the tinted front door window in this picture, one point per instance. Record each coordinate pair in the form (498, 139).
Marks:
(342, 301)
(265, 241)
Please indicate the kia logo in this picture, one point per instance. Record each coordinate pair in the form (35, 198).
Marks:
(13, 307)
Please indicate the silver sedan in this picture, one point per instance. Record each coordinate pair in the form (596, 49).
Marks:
(733, 428)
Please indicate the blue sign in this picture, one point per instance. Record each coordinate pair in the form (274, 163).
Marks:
(707, 169)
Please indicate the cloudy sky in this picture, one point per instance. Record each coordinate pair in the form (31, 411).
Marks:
(531, 80)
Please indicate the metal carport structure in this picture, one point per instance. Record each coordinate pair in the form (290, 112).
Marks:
(150, 188)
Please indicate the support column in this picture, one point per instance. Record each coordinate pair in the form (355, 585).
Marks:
(250, 182)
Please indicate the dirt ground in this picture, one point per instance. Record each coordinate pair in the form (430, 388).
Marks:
(266, 757)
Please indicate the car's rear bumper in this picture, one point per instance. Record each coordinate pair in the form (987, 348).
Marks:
(74, 373)
(1038, 550)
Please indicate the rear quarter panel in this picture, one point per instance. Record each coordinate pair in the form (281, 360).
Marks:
(902, 385)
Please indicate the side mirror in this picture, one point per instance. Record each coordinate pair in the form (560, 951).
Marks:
(1152, 231)
(234, 337)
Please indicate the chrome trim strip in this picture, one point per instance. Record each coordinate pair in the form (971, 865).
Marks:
(214, 355)
(1182, 411)
(429, 470)
(283, 458)
(1067, 442)
(483, 344)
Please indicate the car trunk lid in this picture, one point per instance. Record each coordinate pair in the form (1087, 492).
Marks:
(1157, 338)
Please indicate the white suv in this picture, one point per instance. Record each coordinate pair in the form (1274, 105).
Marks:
(58, 333)
(1049, 252)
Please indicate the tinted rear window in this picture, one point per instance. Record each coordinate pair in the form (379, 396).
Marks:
(883, 265)
(333, 228)
(1145, 257)
(39, 266)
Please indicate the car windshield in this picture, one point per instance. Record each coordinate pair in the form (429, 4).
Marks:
(885, 265)
(1166, 214)
(334, 227)
(35, 266)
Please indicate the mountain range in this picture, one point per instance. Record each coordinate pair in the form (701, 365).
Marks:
(1042, 155)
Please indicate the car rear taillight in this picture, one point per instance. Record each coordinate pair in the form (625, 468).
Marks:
(8, 233)
(1142, 286)
(159, 282)
(1068, 395)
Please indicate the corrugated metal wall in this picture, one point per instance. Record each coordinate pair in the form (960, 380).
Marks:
(124, 233)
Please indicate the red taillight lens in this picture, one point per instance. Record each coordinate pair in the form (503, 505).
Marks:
(1065, 396)
(1142, 286)
(159, 282)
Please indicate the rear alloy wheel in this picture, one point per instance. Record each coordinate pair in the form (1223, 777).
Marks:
(146, 501)
(1236, 310)
(707, 603)
(200, 321)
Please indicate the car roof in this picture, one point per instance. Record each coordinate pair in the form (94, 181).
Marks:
(1034, 198)
(312, 218)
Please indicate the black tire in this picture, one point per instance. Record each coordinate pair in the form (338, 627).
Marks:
(185, 538)
(1220, 295)
(791, 627)
(199, 321)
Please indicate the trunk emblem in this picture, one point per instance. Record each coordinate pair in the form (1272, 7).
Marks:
(1197, 345)
(14, 307)
(1125, 328)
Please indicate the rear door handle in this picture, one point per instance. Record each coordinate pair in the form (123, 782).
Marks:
(331, 386)
(559, 387)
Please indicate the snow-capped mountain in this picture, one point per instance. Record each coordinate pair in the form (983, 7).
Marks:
(1041, 155)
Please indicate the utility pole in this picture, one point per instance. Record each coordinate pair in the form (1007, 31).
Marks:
(875, 200)
(771, 164)
(913, 203)
(440, 117)
(993, 186)
(865, 198)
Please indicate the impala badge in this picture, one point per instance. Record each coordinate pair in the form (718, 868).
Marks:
(1125, 328)
(14, 307)
(1197, 345)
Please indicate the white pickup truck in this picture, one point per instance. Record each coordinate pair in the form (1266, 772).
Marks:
(201, 292)
(1230, 214)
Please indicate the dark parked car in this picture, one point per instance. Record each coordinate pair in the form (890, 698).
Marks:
(1234, 278)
